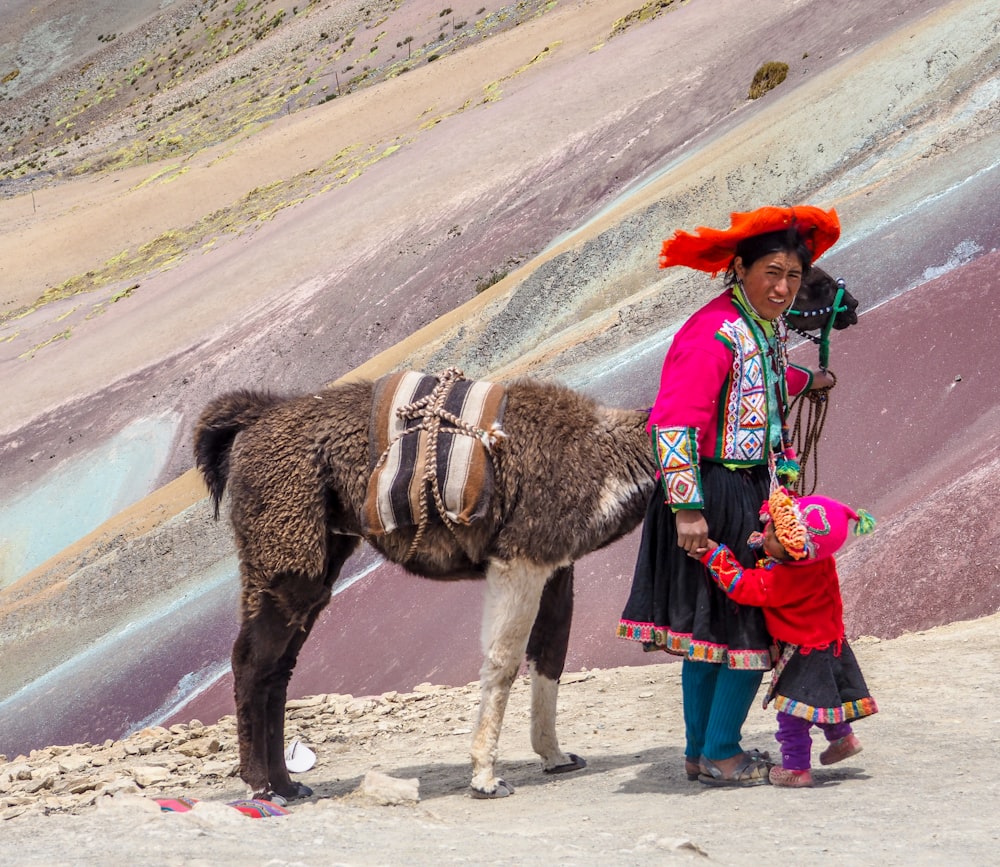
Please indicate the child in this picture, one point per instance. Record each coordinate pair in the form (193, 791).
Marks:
(817, 680)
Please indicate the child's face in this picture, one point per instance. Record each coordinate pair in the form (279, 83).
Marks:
(772, 547)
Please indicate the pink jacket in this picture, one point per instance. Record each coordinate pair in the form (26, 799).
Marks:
(713, 401)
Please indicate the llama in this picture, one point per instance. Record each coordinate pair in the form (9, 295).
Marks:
(571, 477)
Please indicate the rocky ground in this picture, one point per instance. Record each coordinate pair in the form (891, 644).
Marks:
(391, 779)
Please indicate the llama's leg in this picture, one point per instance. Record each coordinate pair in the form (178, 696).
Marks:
(276, 624)
(513, 591)
(547, 648)
(263, 641)
(277, 695)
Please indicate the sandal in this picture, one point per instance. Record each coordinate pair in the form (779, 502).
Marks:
(790, 779)
(692, 768)
(751, 771)
(840, 749)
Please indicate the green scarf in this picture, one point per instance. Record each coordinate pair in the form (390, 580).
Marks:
(765, 325)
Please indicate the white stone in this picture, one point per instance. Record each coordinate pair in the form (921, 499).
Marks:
(150, 775)
(128, 802)
(389, 791)
(72, 764)
(212, 814)
(200, 747)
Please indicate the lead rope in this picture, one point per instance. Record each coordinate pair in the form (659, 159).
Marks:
(813, 405)
(806, 437)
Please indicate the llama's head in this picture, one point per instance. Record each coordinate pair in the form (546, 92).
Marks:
(814, 302)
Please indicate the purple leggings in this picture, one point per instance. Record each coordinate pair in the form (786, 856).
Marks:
(796, 742)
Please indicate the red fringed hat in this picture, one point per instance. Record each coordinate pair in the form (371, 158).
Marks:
(712, 250)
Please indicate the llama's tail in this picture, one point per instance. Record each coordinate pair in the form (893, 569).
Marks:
(217, 427)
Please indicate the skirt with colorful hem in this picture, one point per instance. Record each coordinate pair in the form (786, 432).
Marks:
(674, 605)
(820, 684)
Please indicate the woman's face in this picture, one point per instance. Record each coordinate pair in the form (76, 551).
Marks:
(771, 282)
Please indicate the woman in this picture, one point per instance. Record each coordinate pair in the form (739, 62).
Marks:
(718, 431)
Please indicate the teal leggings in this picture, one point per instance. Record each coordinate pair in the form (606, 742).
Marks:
(717, 699)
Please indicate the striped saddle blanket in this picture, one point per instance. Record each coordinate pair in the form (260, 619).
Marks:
(430, 439)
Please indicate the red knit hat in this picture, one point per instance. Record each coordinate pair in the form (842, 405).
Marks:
(813, 527)
(713, 249)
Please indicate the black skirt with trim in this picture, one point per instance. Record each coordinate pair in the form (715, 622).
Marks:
(822, 685)
(674, 605)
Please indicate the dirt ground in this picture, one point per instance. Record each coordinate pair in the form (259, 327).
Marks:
(921, 791)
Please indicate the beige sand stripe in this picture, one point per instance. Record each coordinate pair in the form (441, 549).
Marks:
(466, 468)
(403, 394)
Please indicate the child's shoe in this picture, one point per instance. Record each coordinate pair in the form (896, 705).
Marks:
(840, 749)
(790, 779)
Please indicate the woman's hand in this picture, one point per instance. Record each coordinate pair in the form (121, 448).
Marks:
(697, 554)
(692, 531)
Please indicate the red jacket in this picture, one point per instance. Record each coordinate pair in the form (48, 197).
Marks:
(801, 601)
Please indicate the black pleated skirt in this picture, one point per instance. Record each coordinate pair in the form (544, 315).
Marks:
(822, 685)
(674, 605)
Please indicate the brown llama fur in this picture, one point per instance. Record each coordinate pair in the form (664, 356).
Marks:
(572, 477)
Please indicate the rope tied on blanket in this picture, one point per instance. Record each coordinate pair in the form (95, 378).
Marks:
(431, 412)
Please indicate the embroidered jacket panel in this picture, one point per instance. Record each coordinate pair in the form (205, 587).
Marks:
(801, 601)
(714, 399)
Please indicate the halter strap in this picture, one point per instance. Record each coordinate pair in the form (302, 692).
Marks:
(834, 310)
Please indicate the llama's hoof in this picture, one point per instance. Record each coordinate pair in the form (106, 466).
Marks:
(269, 796)
(299, 790)
(502, 790)
(575, 763)
(296, 791)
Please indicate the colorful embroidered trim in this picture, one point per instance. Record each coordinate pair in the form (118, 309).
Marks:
(743, 422)
(676, 452)
(750, 660)
(725, 569)
(683, 644)
(705, 651)
(633, 631)
(787, 652)
(846, 712)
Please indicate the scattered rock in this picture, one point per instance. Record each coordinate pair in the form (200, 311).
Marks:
(389, 791)
(200, 747)
(72, 764)
(150, 775)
